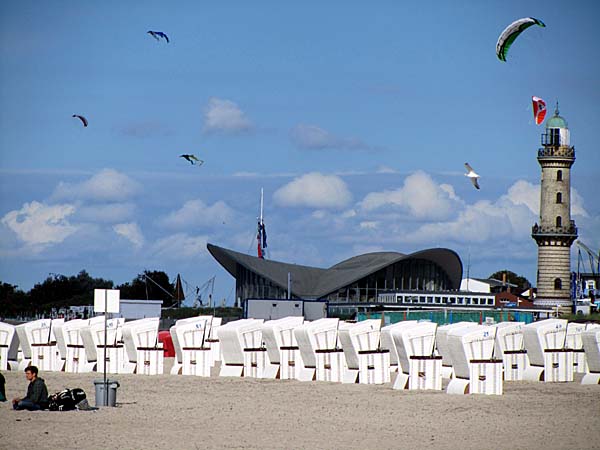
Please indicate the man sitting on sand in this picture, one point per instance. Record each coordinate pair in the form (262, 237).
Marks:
(37, 393)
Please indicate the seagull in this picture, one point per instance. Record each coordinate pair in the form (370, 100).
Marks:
(472, 175)
(158, 34)
(192, 159)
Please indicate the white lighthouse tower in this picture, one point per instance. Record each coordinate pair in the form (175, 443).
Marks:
(555, 232)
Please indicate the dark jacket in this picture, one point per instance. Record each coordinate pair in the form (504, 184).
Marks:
(37, 392)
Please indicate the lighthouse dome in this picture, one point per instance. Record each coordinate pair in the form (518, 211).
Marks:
(556, 121)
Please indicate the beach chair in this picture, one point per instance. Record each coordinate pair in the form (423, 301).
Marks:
(240, 342)
(476, 370)
(575, 343)
(441, 343)
(76, 359)
(306, 366)
(36, 345)
(323, 336)
(213, 341)
(61, 345)
(509, 346)
(281, 345)
(93, 341)
(387, 342)
(591, 345)
(9, 346)
(549, 360)
(192, 334)
(366, 361)
(144, 355)
(418, 365)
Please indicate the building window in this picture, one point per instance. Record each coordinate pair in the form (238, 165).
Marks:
(557, 284)
(558, 197)
(558, 221)
(559, 175)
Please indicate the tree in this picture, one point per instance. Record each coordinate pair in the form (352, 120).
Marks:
(150, 285)
(511, 277)
(13, 301)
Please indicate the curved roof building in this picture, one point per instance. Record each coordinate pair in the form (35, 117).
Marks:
(357, 279)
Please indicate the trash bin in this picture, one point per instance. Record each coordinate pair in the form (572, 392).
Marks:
(111, 386)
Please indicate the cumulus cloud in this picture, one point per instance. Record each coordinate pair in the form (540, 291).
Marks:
(197, 213)
(130, 231)
(225, 116)
(420, 197)
(108, 185)
(312, 137)
(180, 245)
(39, 225)
(314, 190)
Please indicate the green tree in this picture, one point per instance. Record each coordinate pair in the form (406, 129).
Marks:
(13, 301)
(150, 285)
(511, 277)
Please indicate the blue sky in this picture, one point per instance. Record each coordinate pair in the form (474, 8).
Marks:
(356, 118)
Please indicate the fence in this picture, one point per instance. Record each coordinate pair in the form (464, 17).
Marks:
(450, 316)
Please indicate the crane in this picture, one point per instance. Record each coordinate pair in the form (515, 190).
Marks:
(205, 291)
(594, 261)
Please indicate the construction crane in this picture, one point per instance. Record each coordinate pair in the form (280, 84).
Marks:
(594, 262)
(204, 293)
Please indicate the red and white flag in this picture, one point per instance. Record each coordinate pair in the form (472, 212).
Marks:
(539, 109)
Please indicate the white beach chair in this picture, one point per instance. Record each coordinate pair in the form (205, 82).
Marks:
(321, 335)
(365, 360)
(36, 344)
(213, 341)
(61, 345)
(418, 366)
(509, 346)
(476, 371)
(9, 345)
(281, 345)
(575, 343)
(441, 343)
(192, 334)
(76, 359)
(93, 341)
(549, 360)
(144, 354)
(387, 342)
(238, 338)
(591, 345)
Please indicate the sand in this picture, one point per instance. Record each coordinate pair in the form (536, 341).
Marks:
(183, 412)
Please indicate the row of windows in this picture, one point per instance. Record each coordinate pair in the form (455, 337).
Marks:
(412, 299)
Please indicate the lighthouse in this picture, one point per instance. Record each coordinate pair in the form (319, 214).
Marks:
(555, 232)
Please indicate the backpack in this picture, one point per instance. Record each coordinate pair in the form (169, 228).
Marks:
(66, 399)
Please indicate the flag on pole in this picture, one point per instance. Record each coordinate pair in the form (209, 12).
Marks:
(539, 109)
(259, 239)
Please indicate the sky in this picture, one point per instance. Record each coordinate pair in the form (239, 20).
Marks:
(356, 119)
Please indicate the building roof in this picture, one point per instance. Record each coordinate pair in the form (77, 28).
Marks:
(556, 121)
(313, 282)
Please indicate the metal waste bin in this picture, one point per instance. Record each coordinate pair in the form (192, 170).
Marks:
(110, 386)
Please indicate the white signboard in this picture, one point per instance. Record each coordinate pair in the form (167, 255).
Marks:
(108, 298)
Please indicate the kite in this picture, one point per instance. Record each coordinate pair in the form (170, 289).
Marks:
(539, 109)
(192, 159)
(83, 119)
(472, 175)
(512, 32)
(158, 34)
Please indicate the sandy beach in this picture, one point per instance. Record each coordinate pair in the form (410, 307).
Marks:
(177, 412)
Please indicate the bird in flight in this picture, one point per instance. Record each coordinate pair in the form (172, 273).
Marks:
(192, 159)
(158, 34)
(472, 175)
(83, 119)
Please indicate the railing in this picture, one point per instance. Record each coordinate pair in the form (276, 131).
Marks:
(568, 152)
(570, 230)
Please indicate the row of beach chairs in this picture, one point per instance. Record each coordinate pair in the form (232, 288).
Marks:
(475, 358)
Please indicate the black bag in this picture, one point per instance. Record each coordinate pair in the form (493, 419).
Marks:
(65, 400)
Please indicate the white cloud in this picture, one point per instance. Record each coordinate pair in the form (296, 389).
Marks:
(180, 246)
(312, 137)
(525, 193)
(314, 190)
(108, 185)
(196, 212)
(222, 115)
(577, 208)
(38, 225)
(130, 231)
(420, 196)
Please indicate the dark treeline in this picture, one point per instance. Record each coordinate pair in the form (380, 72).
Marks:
(59, 291)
